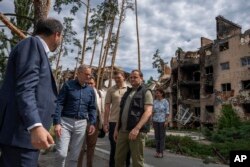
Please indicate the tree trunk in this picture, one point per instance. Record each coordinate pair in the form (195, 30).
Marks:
(107, 46)
(116, 43)
(100, 63)
(58, 60)
(85, 33)
(77, 61)
(138, 40)
(41, 9)
(93, 52)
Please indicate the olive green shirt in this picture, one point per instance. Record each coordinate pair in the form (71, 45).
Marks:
(148, 100)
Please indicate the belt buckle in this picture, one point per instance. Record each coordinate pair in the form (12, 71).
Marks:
(76, 117)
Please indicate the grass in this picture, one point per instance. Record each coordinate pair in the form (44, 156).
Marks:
(223, 140)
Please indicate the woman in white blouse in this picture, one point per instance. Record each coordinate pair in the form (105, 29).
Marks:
(160, 115)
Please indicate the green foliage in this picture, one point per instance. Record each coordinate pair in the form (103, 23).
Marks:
(186, 144)
(229, 134)
(225, 148)
(223, 140)
(178, 51)
(24, 12)
(150, 80)
(76, 5)
(229, 117)
(158, 62)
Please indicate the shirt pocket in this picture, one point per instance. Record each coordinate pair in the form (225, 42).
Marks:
(74, 94)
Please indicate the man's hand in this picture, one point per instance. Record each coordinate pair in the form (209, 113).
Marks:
(133, 134)
(40, 138)
(58, 130)
(115, 134)
(91, 130)
(106, 128)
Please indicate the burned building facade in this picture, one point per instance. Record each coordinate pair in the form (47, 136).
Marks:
(218, 73)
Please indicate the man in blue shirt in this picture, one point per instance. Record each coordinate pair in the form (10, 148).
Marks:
(75, 108)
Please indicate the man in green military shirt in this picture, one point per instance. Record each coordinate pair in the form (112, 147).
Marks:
(135, 111)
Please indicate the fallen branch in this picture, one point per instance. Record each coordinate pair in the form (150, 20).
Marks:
(12, 27)
(219, 155)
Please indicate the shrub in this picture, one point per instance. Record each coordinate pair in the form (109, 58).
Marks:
(229, 117)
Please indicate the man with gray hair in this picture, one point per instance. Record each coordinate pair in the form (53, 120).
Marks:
(75, 109)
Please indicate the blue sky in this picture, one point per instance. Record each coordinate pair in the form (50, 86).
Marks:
(163, 24)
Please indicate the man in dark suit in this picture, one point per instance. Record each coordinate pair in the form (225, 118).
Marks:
(27, 97)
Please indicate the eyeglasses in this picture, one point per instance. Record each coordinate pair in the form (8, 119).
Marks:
(91, 83)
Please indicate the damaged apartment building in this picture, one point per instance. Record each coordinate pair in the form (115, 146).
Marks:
(218, 73)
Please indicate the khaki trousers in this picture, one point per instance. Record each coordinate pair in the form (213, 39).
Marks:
(136, 148)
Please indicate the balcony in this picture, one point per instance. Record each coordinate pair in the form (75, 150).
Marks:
(190, 62)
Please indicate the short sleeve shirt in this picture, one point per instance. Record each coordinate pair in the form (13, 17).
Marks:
(160, 110)
(148, 100)
(113, 97)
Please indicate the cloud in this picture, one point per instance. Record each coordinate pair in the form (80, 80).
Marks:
(163, 25)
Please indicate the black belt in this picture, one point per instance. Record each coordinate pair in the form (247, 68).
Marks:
(74, 117)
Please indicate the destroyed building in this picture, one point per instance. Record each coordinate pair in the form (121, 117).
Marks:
(218, 73)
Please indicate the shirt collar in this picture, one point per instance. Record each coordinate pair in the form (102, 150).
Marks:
(45, 46)
(124, 85)
(77, 82)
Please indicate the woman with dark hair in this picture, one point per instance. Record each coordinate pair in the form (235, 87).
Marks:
(160, 115)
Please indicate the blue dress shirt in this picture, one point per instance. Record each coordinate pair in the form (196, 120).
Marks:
(75, 101)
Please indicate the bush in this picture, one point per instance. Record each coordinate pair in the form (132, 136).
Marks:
(225, 148)
(229, 117)
(186, 144)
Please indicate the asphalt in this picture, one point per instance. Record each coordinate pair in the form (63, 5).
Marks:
(170, 159)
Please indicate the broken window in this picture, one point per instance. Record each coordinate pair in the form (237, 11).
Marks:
(196, 93)
(209, 70)
(197, 111)
(224, 46)
(196, 76)
(210, 109)
(224, 66)
(245, 61)
(246, 108)
(246, 84)
(226, 87)
(209, 89)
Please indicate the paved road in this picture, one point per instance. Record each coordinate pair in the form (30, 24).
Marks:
(169, 159)
(47, 160)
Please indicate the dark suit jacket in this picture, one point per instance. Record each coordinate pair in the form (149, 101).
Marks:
(28, 93)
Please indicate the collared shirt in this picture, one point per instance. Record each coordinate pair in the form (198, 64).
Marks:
(45, 46)
(75, 101)
(113, 97)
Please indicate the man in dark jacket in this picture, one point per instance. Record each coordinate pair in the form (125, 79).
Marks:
(27, 97)
(136, 109)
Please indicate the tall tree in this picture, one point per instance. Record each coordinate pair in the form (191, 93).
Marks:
(96, 28)
(41, 8)
(68, 34)
(77, 43)
(85, 32)
(138, 38)
(110, 10)
(22, 21)
(116, 42)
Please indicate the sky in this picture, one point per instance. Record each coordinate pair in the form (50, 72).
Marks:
(163, 24)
